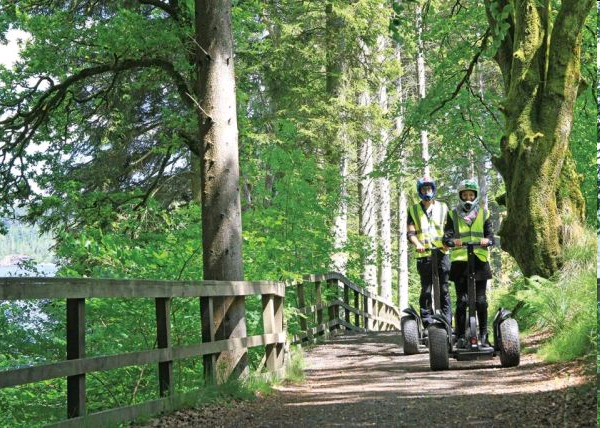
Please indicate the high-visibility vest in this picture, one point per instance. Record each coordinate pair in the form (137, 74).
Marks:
(429, 230)
(469, 235)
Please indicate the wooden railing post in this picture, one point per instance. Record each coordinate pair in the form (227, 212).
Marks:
(75, 349)
(318, 302)
(279, 328)
(367, 322)
(357, 306)
(273, 323)
(333, 311)
(302, 305)
(208, 335)
(163, 339)
(347, 302)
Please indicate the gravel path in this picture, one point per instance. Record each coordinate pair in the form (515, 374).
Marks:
(365, 380)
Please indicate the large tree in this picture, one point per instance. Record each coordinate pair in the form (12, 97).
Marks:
(221, 211)
(539, 50)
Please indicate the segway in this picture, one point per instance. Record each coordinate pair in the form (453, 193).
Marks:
(412, 331)
(440, 330)
(415, 335)
(505, 329)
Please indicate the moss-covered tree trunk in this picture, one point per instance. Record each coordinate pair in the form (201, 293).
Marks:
(539, 57)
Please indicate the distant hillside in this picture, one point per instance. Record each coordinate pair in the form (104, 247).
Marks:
(26, 240)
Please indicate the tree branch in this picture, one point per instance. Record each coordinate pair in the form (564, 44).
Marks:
(467, 75)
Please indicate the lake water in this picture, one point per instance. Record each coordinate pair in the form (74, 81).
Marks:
(35, 317)
(44, 269)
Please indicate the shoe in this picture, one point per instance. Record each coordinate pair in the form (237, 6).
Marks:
(461, 342)
(483, 341)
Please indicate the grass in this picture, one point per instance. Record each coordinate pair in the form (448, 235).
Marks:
(253, 386)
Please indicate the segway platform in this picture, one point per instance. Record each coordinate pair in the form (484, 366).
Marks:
(470, 354)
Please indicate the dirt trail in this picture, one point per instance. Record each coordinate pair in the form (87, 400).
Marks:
(366, 380)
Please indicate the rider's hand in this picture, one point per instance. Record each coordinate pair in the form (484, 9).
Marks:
(420, 248)
(457, 242)
(484, 242)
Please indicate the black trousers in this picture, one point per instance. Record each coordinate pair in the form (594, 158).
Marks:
(424, 267)
(462, 302)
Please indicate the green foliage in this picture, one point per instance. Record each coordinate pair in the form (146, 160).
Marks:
(560, 305)
(289, 232)
(150, 243)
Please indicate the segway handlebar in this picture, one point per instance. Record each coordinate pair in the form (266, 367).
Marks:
(472, 245)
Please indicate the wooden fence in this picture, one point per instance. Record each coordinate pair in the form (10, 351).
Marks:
(346, 306)
(75, 291)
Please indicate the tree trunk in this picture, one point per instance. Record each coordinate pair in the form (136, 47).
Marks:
(383, 191)
(221, 212)
(402, 198)
(421, 84)
(339, 259)
(402, 246)
(366, 190)
(196, 168)
(336, 92)
(541, 72)
(385, 234)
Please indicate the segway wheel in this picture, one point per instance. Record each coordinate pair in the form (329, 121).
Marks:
(410, 332)
(438, 348)
(510, 347)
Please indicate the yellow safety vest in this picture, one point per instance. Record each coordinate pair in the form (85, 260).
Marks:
(469, 235)
(429, 230)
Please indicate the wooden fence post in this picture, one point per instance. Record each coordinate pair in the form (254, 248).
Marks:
(367, 321)
(302, 305)
(279, 328)
(208, 335)
(163, 338)
(318, 302)
(273, 323)
(333, 311)
(357, 306)
(347, 302)
(75, 349)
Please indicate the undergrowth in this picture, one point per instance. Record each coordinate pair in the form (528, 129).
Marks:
(560, 306)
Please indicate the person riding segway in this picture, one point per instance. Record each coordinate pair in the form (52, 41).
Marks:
(470, 224)
(470, 233)
(425, 229)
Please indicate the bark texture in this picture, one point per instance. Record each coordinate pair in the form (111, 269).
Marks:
(220, 192)
(539, 57)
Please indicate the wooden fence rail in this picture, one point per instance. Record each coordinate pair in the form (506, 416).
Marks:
(76, 291)
(324, 303)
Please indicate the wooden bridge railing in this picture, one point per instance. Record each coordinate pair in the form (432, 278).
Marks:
(347, 307)
(75, 291)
